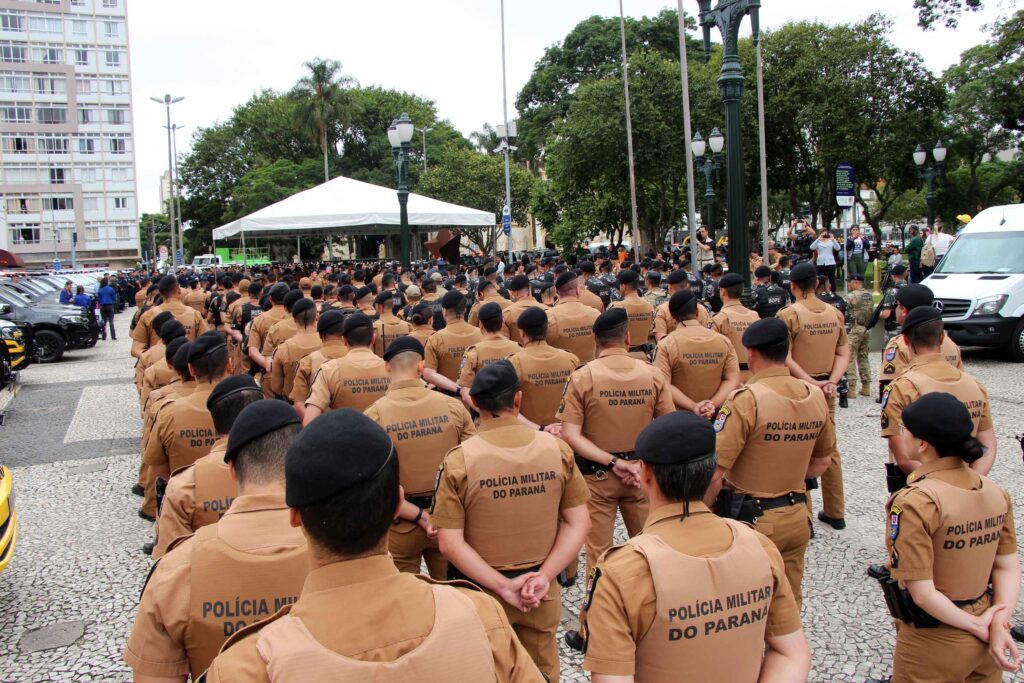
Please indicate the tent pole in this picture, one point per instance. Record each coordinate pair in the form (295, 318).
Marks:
(298, 248)
(245, 254)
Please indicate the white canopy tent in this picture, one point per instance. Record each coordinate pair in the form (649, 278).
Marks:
(344, 206)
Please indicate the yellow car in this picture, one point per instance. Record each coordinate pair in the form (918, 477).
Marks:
(15, 340)
(8, 518)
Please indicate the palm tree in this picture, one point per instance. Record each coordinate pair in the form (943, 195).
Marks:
(324, 101)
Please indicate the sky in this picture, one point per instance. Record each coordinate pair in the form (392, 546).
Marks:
(216, 53)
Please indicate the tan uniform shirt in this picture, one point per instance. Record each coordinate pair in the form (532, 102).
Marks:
(195, 298)
(482, 354)
(422, 334)
(896, 357)
(286, 359)
(588, 298)
(543, 371)
(641, 319)
(355, 380)
(388, 329)
(665, 324)
(261, 325)
(695, 360)
(623, 602)
(444, 350)
(160, 374)
(816, 332)
(732, 321)
(387, 615)
(474, 313)
(311, 364)
(571, 328)
(189, 317)
(279, 332)
(183, 432)
(613, 398)
(150, 356)
(930, 373)
(512, 313)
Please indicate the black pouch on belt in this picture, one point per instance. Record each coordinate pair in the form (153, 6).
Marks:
(895, 477)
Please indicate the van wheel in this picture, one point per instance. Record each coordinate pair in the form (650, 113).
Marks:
(1015, 349)
(49, 345)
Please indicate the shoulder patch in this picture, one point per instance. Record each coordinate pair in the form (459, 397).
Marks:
(885, 395)
(890, 353)
(723, 415)
(894, 521)
(889, 369)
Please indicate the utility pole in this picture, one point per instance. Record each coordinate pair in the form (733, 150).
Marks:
(691, 199)
(507, 211)
(177, 190)
(167, 101)
(629, 134)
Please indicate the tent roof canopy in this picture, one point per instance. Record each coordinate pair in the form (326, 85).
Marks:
(347, 206)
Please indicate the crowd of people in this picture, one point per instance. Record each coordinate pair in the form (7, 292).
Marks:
(356, 470)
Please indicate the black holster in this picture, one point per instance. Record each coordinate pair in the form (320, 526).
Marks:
(810, 484)
(160, 486)
(733, 504)
(900, 603)
(895, 477)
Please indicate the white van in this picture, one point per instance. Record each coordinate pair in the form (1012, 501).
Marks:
(979, 285)
(205, 262)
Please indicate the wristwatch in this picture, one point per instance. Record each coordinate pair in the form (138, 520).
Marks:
(611, 463)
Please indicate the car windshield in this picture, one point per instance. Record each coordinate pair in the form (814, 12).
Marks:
(44, 284)
(9, 296)
(985, 252)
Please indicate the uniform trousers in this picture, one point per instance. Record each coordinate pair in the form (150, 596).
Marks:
(859, 361)
(409, 546)
(943, 654)
(148, 482)
(832, 496)
(608, 496)
(788, 529)
(537, 630)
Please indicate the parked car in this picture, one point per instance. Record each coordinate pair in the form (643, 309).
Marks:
(8, 518)
(16, 346)
(55, 328)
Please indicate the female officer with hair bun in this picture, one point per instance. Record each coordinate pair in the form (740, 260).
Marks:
(953, 548)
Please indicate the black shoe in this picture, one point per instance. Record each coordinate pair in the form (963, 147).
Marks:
(147, 548)
(574, 640)
(878, 571)
(138, 490)
(878, 400)
(887, 679)
(148, 518)
(1018, 633)
(837, 524)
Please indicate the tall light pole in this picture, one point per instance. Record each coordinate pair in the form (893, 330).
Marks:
(176, 189)
(400, 135)
(167, 101)
(691, 200)
(934, 175)
(629, 133)
(709, 167)
(728, 16)
(507, 210)
(423, 135)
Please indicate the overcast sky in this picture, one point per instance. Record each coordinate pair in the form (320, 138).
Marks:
(216, 53)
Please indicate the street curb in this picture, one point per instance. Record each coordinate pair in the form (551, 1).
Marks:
(7, 395)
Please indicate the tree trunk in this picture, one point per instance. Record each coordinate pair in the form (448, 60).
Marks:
(323, 146)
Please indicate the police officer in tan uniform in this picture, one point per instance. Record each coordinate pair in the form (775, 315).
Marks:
(199, 494)
(144, 336)
(510, 509)
(445, 349)
(543, 371)
(953, 548)
(587, 297)
(664, 323)
(195, 298)
(388, 327)
(358, 617)
(896, 355)
(332, 345)
(421, 322)
(155, 352)
(640, 312)
(929, 372)
(819, 353)
(519, 289)
(258, 331)
(487, 294)
(423, 425)
(701, 365)
(158, 372)
(605, 405)
(663, 607)
(355, 380)
(284, 363)
(240, 317)
(285, 328)
(571, 322)
(734, 318)
(493, 347)
(230, 574)
(773, 434)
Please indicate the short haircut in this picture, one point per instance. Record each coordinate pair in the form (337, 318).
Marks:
(317, 292)
(306, 317)
(616, 335)
(359, 336)
(407, 360)
(356, 520)
(226, 410)
(492, 325)
(459, 310)
(262, 461)
(775, 353)
(210, 365)
(497, 403)
(926, 335)
(686, 481)
(536, 333)
(734, 291)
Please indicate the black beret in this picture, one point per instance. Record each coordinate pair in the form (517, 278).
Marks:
(159, 319)
(292, 297)
(565, 279)
(363, 292)
(858, 278)
(452, 299)
(676, 277)
(489, 311)
(627, 277)
(730, 280)
(204, 344)
(494, 379)
(682, 302)
(180, 360)
(450, 283)
(355, 321)
(610, 320)
(385, 297)
(676, 439)
(920, 316)
(803, 272)
(938, 418)
(167, 283)
(560, 268)
(335, 452)
(330, 322)
(231, 386)
(346, 290)
(899, 269)
(765, 332)
(421, 307)
(532, 318)
(172, 348)
(654, 276)
(255, 288)
(278, 292)
(518, 282)
(587, 266)
(257, 420)
(763, 271)
(461, 279)
(172, 329)
(302, 305)
(912, 296)
(402, 345)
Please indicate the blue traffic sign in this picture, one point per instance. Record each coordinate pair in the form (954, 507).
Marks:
(178, 257)
(506, 222)
(846, 185)
(56, 264)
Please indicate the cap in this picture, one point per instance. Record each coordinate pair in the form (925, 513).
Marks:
(495, 379)
(413, 292)
(204, 344)
(354, 321)
(180, 360)
(346, 290)
(229, 387)
(305, 283)
(436, 276)
(532, 318)
(587, 266)
(677, 438)
(402, 345)
(278, 292)
(676, 277)
(765, 332)
(803, 272)
(385, 297)
(257, 420)
(452, 299)
(336, 451)
(518, 282)
(610, 320)
(730, 280)
(330, 322)
(172, 349)
(302, 305)
(159, 319)
(171, 329)
(362, 293)
(912, 296)
(489, 311)
(565, 278)
(899, 269)
(291, 298)
(628, 277)
(682, 302)
(920, 316)
(938, 418)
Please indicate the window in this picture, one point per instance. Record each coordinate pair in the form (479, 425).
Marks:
(116, 116)
(119, 175)
(48, 2)
(58, 203)
(86, 115)
(78, 27)
(53, 145)
(11, 114)
(86, 146)
(23, 205)
(113, 58)
(50, 85)
(83, 86)
(81, 58)
(12, 22)
(78, 3)
(12, 53)
(87, 174)
(91, 204)
(25, 234)
(21, 175)
(110, 4)
(45, 24)
(52, 115)
(17, 145)
(117, 146)
(110, 29)
(116, 86)
(10, 82)
(47, 55)
(57, 175)
(92, 232)
(120, 202)
(122, 231)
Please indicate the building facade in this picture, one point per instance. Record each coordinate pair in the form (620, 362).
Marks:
(67, 161)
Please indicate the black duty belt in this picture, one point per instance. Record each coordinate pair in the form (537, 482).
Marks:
(422, 502)
(764, 504)
(744, 367)
(968, 603)
(454, 574)
(822, 378)
(643, 348)
(453, 394)
(587, 467)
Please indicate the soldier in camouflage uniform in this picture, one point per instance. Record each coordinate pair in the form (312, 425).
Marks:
(859, 306)
(655, 294)
(888, 314)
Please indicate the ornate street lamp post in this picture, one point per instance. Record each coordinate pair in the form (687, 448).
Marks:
(709, 167)
(400, 135)
(934, 175)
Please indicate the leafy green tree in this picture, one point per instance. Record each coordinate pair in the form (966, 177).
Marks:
(325, 104)
(947, 12)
